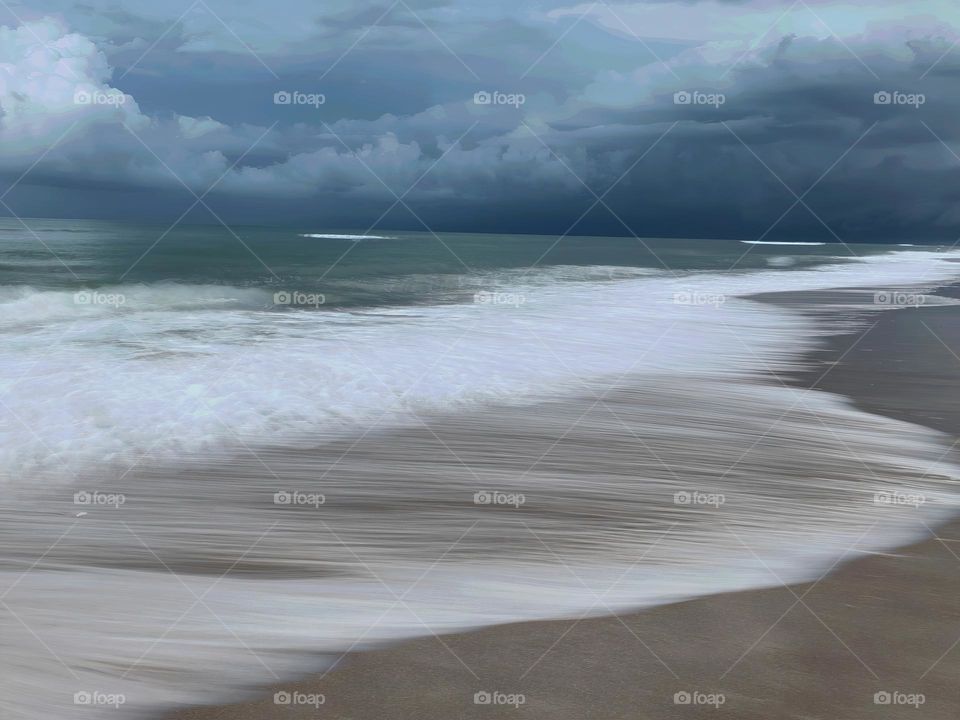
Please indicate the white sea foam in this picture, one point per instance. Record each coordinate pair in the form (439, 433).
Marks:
(177, 368)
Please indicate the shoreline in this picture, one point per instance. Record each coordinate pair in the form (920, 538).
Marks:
(607, 667)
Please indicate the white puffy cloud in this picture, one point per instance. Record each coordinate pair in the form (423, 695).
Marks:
(50, 80)
(192, 128)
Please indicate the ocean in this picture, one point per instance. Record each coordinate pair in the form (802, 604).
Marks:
(228, 455)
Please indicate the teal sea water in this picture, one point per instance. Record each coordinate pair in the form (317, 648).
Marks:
(64, 254)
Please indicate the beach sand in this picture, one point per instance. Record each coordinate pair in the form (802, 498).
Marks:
(878, 623)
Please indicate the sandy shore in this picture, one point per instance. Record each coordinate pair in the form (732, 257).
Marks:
(879, 623)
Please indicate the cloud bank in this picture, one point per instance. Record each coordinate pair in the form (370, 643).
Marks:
(822, 119)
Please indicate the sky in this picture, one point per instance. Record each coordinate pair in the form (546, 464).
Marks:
(748, 119)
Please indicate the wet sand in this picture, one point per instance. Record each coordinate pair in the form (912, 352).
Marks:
(887, 623)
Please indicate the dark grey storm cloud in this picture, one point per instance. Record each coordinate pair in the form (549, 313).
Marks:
(710, 119)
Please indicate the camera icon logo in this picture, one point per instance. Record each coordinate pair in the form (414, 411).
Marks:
(282, 97)
(681, 498)
(484, 497)
(282, 298)
(682, 698)
(282, 498)
(482, 98)
(882, 698)
(682, 98)
(82, 698)
(882, 98)
(82, 97)
(482, 698)
(82, 298)
(82, 498)
(282, 698)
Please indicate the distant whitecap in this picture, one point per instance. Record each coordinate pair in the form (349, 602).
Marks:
(778, 242)
(339, 236)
